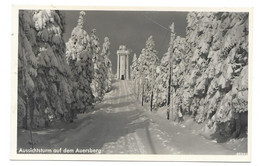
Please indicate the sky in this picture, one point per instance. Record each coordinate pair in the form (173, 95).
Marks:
(130, 28)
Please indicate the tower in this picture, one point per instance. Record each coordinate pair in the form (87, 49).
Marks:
(123, 63)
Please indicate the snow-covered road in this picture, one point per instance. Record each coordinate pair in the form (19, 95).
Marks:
(120, 125)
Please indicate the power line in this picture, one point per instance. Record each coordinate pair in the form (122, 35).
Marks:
(167, 30)
(157, 23)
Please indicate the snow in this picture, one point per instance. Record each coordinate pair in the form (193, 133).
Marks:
(119, 125)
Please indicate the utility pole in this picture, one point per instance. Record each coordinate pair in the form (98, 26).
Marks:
(171, 50)
(151, 102)
(169, 91)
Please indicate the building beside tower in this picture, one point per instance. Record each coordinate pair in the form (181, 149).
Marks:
(123, 63)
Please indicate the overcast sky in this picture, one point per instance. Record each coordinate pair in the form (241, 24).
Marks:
(130, 28)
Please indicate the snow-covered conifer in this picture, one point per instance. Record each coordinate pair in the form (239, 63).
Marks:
(108, 65)
(44, 78)
(174, 57)
(147, 63)
(98, 84)
(79, 57)
(216, 60)
(134, 67)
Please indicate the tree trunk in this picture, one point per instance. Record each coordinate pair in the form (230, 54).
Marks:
(143, 95)
(25, 120)
(237, 131)
(151, 104)
(32, 113)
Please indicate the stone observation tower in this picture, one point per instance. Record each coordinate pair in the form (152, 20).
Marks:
(123, 63)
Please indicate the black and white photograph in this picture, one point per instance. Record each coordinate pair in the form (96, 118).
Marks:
(168, 84)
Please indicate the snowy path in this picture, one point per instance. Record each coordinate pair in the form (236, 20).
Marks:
(120, 126)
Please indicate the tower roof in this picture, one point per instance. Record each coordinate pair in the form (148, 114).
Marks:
(123, 50)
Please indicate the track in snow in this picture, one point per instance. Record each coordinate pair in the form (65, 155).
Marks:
(121, 126)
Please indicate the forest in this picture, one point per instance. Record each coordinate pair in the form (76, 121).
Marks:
(203, 76)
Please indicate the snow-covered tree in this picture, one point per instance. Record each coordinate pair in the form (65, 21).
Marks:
(162, 72)
(79, 57)
(134, 67)
(173, 60)
(217, 55)
(207, 67)
(147, 63)
(44, 78)
(98, 85)
(108, 65)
